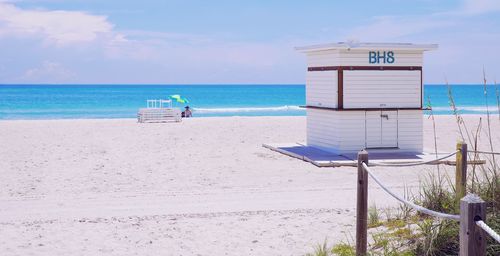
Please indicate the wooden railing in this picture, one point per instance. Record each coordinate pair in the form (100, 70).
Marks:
(159, 103)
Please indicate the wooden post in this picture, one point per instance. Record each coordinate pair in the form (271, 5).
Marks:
(362, 206)
(472, 237)
(461, 170)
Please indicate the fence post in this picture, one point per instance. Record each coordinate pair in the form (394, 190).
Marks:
(461, 170)
(362, 206)
(472, 237)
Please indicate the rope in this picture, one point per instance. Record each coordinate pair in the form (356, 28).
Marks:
(484, 152)
(488, 230)
(412, 205)
(415, 164)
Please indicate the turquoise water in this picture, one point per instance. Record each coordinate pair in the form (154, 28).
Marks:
(123, 101)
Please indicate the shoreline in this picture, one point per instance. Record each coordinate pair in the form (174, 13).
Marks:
(492, 115)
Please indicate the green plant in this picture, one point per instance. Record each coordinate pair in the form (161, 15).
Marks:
(431, 116)
(343, 249)
(405, 211)
(497, 92)
(435, 195)
(403, 232)
(373, 217)
(438, 237)
(395, 224)
(320, 250)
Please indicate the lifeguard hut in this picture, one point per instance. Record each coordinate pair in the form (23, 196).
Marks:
(365, 96)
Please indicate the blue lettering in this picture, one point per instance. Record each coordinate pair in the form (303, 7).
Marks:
(372, 57)
(390, 57)
(380, 57)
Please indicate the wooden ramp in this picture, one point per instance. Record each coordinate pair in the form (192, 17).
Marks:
(323, 158)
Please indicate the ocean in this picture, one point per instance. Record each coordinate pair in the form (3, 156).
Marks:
(123, 101)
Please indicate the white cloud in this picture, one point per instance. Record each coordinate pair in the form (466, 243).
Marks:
(48, 71)
(58, 27)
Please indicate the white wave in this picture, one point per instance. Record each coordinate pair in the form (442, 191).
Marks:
(248, 109)
(492, 109)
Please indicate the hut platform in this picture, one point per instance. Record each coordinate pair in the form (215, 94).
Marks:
(323, 158)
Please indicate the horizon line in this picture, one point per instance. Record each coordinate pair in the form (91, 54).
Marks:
(208, 84)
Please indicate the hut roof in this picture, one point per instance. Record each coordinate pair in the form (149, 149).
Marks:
(367, 46)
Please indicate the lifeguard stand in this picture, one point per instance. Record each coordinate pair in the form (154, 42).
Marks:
(365, 96)
(159, 111)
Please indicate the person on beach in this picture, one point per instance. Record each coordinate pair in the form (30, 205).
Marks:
(187, 112)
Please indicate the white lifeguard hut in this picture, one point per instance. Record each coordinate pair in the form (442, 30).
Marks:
(365, 96)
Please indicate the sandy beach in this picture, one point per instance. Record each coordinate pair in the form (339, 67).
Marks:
(204, 186)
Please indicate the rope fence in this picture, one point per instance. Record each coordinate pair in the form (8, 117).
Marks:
(418, 163)
(488, 230)
(484, 152)
(472, 207)
(493, 234)
(421, 209)
(433, 161)
(412, 205)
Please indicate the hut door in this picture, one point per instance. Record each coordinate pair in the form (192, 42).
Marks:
(389, 129)
(381, 129)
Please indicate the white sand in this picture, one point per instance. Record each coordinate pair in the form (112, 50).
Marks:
(201, 187)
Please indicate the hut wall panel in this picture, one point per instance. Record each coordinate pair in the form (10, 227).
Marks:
(387, 89)
(323, 58)
(351, 130)
(322, 129)
(373, 129)
(347, 131)
(410, 130)
(321, 88)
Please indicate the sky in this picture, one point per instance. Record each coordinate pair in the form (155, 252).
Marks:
(233, 42)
